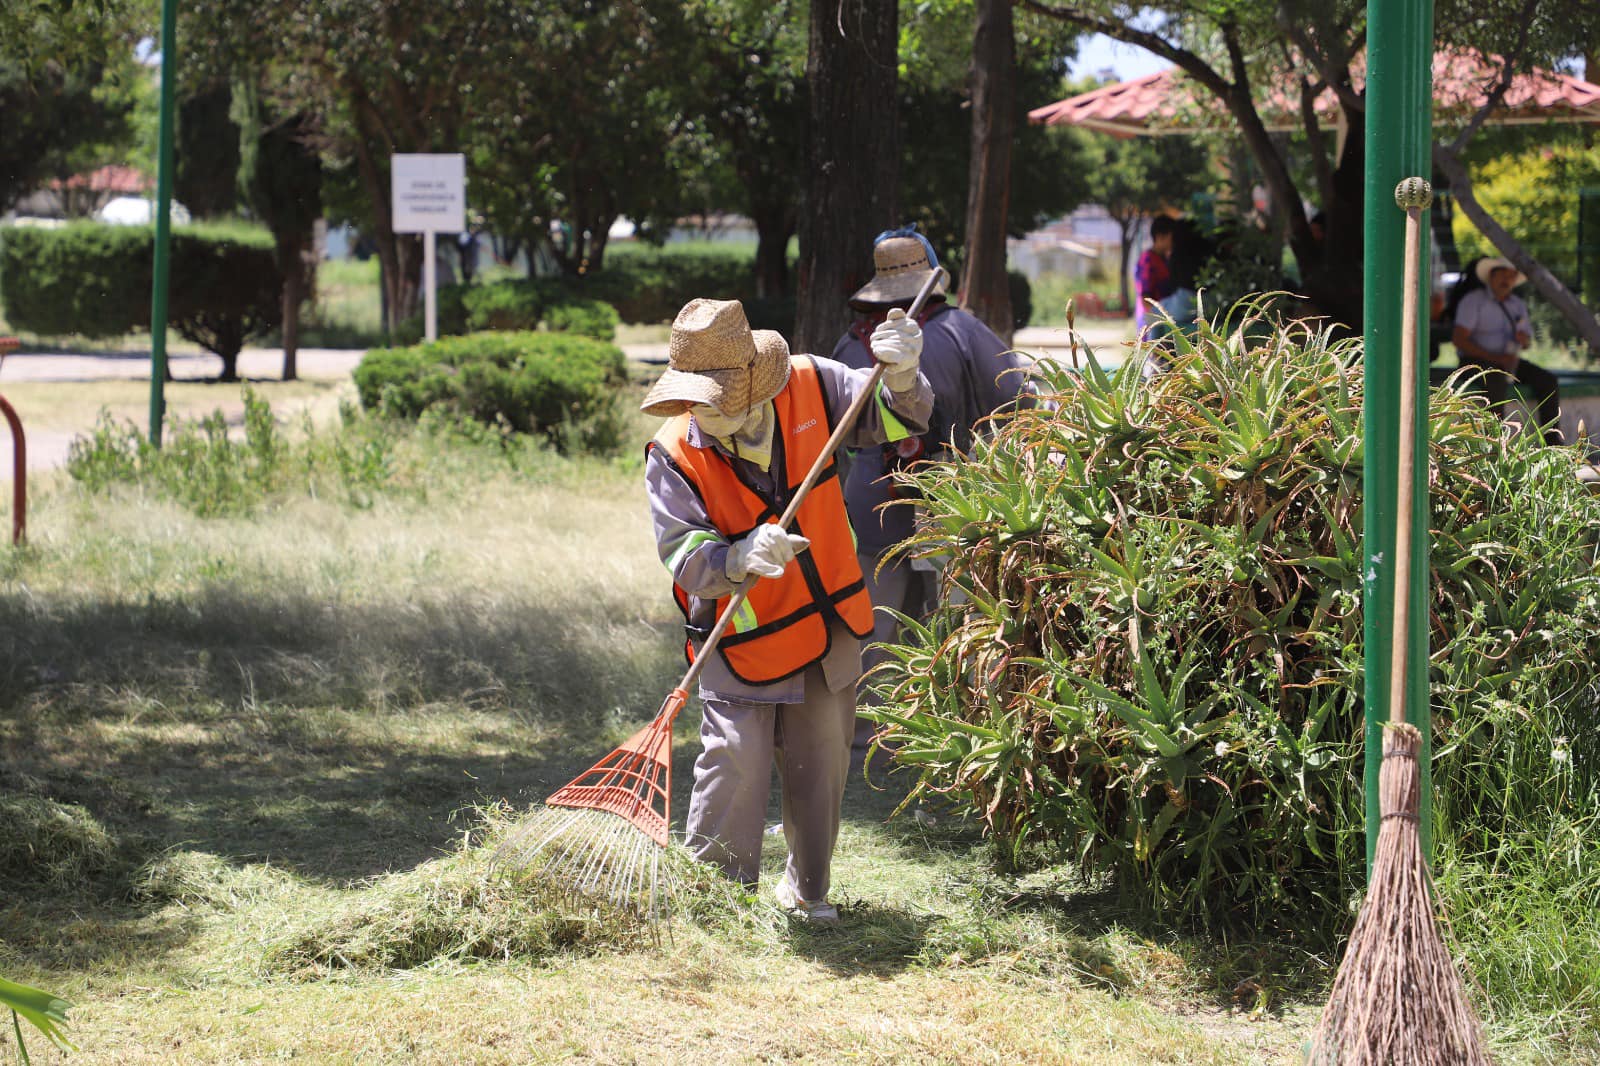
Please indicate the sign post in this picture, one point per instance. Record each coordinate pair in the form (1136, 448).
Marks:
(428, 196)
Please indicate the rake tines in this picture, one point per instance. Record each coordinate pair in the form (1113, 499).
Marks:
(603, 834)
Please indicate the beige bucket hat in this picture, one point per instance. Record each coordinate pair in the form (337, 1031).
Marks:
(715, 358)
(1489, 264)
(901, 265)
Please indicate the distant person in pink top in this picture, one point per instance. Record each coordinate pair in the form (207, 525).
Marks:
(1152, 274)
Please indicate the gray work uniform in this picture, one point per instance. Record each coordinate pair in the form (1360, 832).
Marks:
(804, 722)
(973, 374)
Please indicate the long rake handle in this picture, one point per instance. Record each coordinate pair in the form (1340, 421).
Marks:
(1413, 195)
(846, 423)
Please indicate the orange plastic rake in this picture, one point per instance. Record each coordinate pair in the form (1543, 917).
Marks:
(603, 834)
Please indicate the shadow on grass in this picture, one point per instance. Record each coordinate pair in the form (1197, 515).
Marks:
(333, 739)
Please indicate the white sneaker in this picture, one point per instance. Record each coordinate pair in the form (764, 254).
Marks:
(821, 912)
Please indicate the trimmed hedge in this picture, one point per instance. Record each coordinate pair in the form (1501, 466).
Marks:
(517, 304)
(648, 285)
(93, 280)
(528, 382)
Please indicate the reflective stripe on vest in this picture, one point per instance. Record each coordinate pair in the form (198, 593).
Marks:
(783, 626)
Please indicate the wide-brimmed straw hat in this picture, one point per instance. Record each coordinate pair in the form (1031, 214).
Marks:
(902, 264)
(1489, 264)
(715, 358)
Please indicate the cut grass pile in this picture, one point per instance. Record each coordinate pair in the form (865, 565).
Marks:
(284, 742)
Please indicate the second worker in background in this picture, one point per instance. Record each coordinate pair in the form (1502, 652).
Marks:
(973, 374)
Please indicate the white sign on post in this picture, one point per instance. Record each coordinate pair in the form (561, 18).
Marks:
(428, 196)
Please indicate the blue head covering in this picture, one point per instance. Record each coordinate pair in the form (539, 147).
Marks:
(910, 230)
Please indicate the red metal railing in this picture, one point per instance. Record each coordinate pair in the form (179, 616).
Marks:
(19, 458)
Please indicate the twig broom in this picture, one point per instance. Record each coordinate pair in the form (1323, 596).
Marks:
(602, 836)
(1398, 999)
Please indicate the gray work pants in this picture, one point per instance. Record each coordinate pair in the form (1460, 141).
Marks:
(810, 744)
(909, 591)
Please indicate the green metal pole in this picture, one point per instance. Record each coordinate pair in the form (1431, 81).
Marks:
(161, 267)
(1399, 137)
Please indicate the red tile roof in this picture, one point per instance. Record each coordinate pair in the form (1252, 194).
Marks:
(114, 179)
(1167, 101)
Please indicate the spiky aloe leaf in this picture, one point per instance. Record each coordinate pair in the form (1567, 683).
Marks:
(44, 1011)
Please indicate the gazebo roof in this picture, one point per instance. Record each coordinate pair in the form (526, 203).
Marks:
(1166, 101)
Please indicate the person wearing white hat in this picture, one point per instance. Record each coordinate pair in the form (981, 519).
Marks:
(973, 374)
(1491, 331)
(745, 422)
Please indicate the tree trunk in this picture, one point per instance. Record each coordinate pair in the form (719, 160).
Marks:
(984, 288)
(293, 276)
(1548, 285)
(853, 165)
(1125, 230)
(774, 226)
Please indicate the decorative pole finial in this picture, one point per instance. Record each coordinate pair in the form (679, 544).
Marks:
(1413, 192)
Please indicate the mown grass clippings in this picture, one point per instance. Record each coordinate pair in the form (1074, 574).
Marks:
(51, 844)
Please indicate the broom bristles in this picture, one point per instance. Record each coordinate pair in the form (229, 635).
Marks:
(1398, 998)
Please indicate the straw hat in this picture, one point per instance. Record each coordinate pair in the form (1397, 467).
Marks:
(716, 358)
(1489, 264)
(902, 266)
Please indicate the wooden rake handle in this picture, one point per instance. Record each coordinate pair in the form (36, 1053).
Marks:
(1413, 195)
(864, 397)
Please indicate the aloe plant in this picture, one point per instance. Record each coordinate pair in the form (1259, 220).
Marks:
(1149, 661)
(45, 1012)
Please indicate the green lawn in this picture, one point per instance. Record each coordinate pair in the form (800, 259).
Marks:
(240, 765)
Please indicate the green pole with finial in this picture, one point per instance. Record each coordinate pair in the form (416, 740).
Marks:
(1399, 142)
(161, 268)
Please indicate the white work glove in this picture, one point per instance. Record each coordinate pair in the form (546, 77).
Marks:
(897, 344)
(765, 550)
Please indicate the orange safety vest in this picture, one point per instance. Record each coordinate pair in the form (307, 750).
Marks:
(784, 624)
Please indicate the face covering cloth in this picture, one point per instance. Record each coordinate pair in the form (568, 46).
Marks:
(748, 436)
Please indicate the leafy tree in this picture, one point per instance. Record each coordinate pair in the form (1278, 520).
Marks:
(1535, 194)
(1136, 178)
(206, 155)
(58, 120)
(984, 287)
(280, 177)
(747, 85)
(1232, 52)
(1049, 167)
(564, 143)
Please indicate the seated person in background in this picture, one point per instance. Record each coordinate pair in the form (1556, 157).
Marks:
(1490, 332)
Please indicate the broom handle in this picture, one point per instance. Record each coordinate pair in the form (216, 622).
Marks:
(846, 423)
(1413, 195)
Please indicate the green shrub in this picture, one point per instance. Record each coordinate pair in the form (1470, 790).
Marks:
(512, 304)
(1156, 672)
(561, 386)
(207, 470)
(94, 280)
(584, 317)
(450, 311)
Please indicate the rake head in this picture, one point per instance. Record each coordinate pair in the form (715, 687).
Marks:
(603, 834)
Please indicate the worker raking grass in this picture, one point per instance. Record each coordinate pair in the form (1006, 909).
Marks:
(750, 520)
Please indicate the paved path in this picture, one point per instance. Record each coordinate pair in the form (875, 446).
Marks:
(47, 449)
